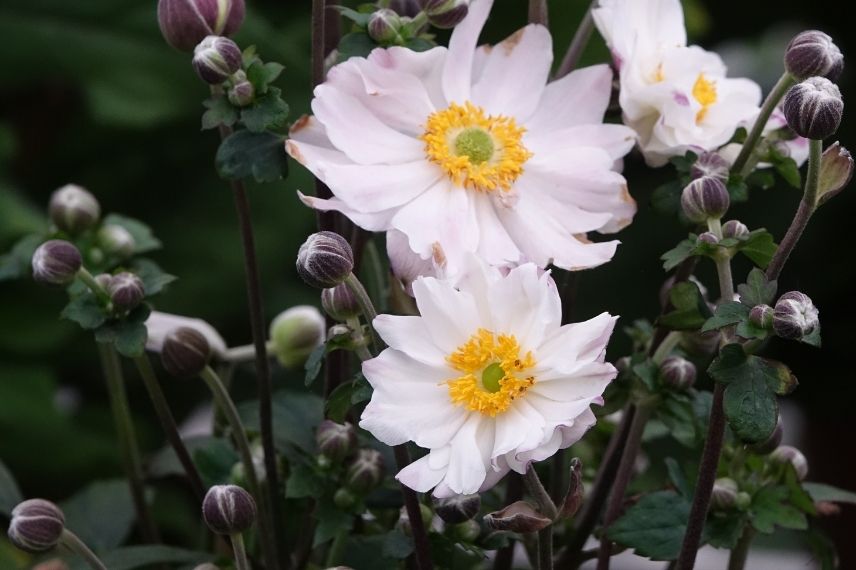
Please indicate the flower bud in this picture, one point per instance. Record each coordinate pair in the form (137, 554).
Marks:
(403, 523)
(126, 290)
(788, 454)
(325, 259)
(724, 494)
(836, 170)
(771, 443)
(344, 499)
(700, 344)
(705, 198)
(446, 14)
(228, 509)
(517, 517)
(467, 531)
(206, 566)
(407, 8)
(457, 508)
(743, 501)
(812, 53)
(335, 441)
(574, 495)
(384, 25)
(814, 108)
(185, 23)
(795, 316)
(295, 333)
(708, 237)
(734, 229)
(710, 164)
(36, 525)
(365, 472)
(185, 352)
(678, 373)
(242, 93)
(216, 58)
(73, 209)
(761, 316)
(340, 303)
(116, 240)
(56, 262)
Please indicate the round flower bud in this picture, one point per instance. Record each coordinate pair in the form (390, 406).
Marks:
(295, 333)
(340, 303)
(103, 279)
(185, 23)
(56, 262)
(467, 531)
(216, 58)
(788, 454)
(724, 494)
(710, 164)
(734, 229)
(446, 14)
(705, 198)
(228, 509)
(772, 442)
(325, 259)
(126, 290)
(116, 240)
(384, 25)
(678, 373)
(458, 508)
(795, 316)
(73, 209)
(708, 237)
(185, 352)
(743, 501)
(36, 525)
(335, 441)
(408, 8)
(812, 53)
(761, 316)
(242, 93)
(365, 472)
(814, 108)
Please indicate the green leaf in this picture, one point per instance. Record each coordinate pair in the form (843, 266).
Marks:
(102, 514)
(789, 171)
(295, 417)
(331, 521)
(738, 191)
(751, 409)
(153, 277)
(770, 508)
(128, 335)
(214, 461)
(144, 240)
(219, 112)
(762, 179)
(359, 18)
(268, 112)
(666, 199)
(132, 557)
(304, 481)
(759, 247)
(726, 314)
(314, 363)
(691, 310)
(723, 530)
(679, 253)
(355, 44)
(677, 477)
(246, 154)
(261, 75)
(10, 494)
(824, 492)
(18, 262)
(648, 373)
(653, 527)
(86, 311)
(419, 44)
(339, 401)
(397, 545)
(677, 414)
(757, 290)
(734, 364)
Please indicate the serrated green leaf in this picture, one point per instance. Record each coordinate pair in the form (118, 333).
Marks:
(824, 492)
(397, 545)
(653, 527)
(666, 198)
(153, 277)
(245, 154)
(295, 417)
(86, 311)
(677, 415)
(738, 191)
(359, 18)
(770, 508)
(128, 335)
(647, 372)
(261, 75)
(690, 309)
(331, 521)
(313, 363)
(751, 408)
(726, 314)
(679, 253)
(789, 171)
(219, 112)
(304, 481)
(102, 514)
(757, 290)
(723, 530)
(144, 239)
(759, 247)
(269, 112)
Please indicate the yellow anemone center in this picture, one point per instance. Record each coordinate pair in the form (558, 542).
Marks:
(493, 373)
(704, 92)
(477, 151)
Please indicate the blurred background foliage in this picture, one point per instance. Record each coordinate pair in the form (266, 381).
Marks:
(91, 94)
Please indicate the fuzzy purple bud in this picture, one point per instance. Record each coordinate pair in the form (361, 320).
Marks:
(185, 23)
(788, 454)
(710, 164)
(73, 209)
(340, 303)
(365, 472)
(836, 170)
(446, 14)
(457, 508)
(335, 441)
(37, 525)
(761, 316)
(813, 53)
(814, 108)
(216, 58)
(242, 93)
(724, 495)
(384, 26)
(734, 229)
(116, 240)
(56, 262)
(126, 291)
(325, 259)
(795, 316)
(185, 352)
(228, 509)
(708, 237)
(678, 373)
(705, 198)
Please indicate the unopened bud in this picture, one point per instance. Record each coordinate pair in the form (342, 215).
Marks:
(771, 443)
(185, 23)
(734, 229)
(678, 373)
(836, 170)
(467, 531)
(366, 471)
(700, 343)
(325, 259)
(185, 352)
(73, 209)
(787, 454)
(814, 108)
(446, 14)
(761, 316)
(705, 198)
(743, 501)
(458, 508)
(574, 495)
(517, 517)
(812, 53)
(335, 441)
(827, 509)
(116, 240)
(126, 290)
(56, 262)
(242, 93)
(344, 499)
(36, 525)
(295, 333)
(384, 26)
(795, 316)
(228, 509)
(708, 237)
(710, 164)
(724, 494)
(216, 58)
(340, 303)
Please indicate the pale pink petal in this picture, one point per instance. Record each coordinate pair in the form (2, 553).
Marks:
(426, 66)
(451, 316)
(410, 336)
(420, 475)
(579, 98)
(458, 70)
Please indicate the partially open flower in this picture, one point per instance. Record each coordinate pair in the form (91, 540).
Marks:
(795, 316)
(518, 517)
(126, 290)
(36, 525)
(335, 441)
(705, 198)
(678, 373)
(295, 333)
(185, 352)
(116, 240)
(788, 454)
(457, 508)
(814, 108)
(185, 23)
(56, 262)
(366, 470)
(836, 170)
(216, 58)
(228, 509)
(73, 209)
(812, 53)
(325, 259)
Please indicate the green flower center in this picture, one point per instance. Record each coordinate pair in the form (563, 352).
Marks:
(476, 144)
(491, 377)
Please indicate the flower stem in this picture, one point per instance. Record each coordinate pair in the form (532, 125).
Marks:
(366, 305)
(84, 275)
(545, 548)
(538, 12)
(577, 45)
(167, 421)
(513, 493)
(723, 266)
(73, 543)
(669, 343)
(241, 562)
(128, 448)
(782, 85)
(414, 513)
(804, 212)
(738, 557)
(622, 480)
(336, 548)
(547, 508)
(362, 352)
(244, 353)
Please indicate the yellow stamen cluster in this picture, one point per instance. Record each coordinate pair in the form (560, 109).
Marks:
(483, 163)
(479, 353)
(704, 92)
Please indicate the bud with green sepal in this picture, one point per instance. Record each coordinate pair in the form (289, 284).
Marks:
(786, 454)
(384, 27)
(116, 241)
(335, 441)
(761, 316)
(836, 170)
(185, 23)
(724, 496)
(813, 53)
(56, 262)
(126, 291)
(365, 472)
(242, 93)
(73, 209)
(446, 14)
(295, 333)
(216, 58)
(340, 303)
(734, 229)
(813, 108)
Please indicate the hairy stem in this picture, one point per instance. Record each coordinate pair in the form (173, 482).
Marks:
(578, 44)
(536, 489)
(366, 305)
(414, 513)
(737, 559)
(129, 451)
(538, 12)
(84, 275)
(782, 85)
(545, 548)
(73, 543)
(241, 562)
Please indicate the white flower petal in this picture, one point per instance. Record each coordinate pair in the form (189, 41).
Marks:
(373, 222)
(587, 382)
(575, 342)
(426, 66)
(579, 98)
(470, 456)
(458, 70)
(160, 324)
(526, 304)
(451, 316)
(421, 475)
(410, 336)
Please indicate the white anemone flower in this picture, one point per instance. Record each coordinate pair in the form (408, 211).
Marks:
(487, 379)
(676, 97)
(470, 150)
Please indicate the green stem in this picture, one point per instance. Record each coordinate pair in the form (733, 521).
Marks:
(241, 562)
(129, 451)
(84, 275)
(723, 265)
(665, 348)
(782, 85)
(545, 548)
(578, 44)
(244, 353)
(366, 305)
(361, 350)
(542, 498)
(336, 549)
(167, 421)
(73, 543)
(738, 557)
